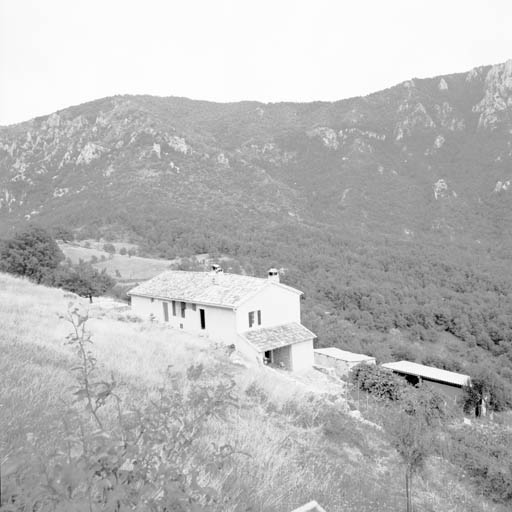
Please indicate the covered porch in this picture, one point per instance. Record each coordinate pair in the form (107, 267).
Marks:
(288, 346)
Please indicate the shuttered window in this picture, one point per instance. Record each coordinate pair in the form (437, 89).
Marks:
(252, 316)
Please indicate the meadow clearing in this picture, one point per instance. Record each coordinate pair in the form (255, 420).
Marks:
(129, 268)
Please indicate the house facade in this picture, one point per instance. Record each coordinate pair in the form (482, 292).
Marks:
(260, 317)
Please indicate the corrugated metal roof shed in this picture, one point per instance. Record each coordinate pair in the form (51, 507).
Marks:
(344, 355)
(225, 290)
(428, 372)
(270, 338)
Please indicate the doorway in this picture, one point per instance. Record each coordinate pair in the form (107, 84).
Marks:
(202, 316)
(166, 311)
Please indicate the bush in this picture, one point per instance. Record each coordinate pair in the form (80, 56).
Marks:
(485, 454)
(109, 248)
(378, 381)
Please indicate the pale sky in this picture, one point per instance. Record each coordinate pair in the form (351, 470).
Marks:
(57, 53)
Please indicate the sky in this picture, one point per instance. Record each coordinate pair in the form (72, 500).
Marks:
(57, 53)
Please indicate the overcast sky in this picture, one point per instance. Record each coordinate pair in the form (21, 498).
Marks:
(57, 53)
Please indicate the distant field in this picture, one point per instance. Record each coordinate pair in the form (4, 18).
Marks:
(132, 268)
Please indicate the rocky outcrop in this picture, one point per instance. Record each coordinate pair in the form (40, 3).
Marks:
(496, 104)
(326, 135)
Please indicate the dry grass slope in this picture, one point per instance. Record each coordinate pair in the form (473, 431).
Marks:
(296, 446)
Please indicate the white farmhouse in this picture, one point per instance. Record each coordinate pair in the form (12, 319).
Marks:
(260, 317)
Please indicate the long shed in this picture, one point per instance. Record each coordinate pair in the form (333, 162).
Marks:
(450, 384)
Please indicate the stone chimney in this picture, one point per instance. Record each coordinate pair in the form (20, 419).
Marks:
(273, 275)
(216, 273)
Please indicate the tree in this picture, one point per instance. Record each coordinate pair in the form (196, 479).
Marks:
(122, 251)
(487, 392)
(410, 428)
(109, 248)
(84, 280)
(32, 253)
(62, 233)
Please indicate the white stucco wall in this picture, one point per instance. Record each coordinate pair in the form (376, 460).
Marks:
(277, 305)
(341, 367)
(302, 355)
(248, 350)
(220, 322)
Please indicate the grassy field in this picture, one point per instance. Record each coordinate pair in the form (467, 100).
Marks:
(292, 446)
(130, 268)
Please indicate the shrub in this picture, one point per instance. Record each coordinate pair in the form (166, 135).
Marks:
(485, 454)
(378, 381)
(109, 248)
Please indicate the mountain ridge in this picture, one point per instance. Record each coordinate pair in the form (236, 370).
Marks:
(427, 157)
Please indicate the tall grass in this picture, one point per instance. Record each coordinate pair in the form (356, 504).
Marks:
(290, 445)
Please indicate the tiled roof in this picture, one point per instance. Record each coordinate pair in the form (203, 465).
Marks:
(270, 338)
(226, 290)
(343, 355)
(429, 372)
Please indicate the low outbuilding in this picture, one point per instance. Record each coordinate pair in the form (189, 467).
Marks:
(450, 384)
(341, 360)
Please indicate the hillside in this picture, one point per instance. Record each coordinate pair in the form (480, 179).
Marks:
(290, 445)
(426, 158)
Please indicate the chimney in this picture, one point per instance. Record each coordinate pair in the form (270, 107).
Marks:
(216, 273)
(273, 275)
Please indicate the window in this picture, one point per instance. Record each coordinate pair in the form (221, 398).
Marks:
(173, 308)
(193, 307)
(183, 309)
(252, 315)
(152, 299)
